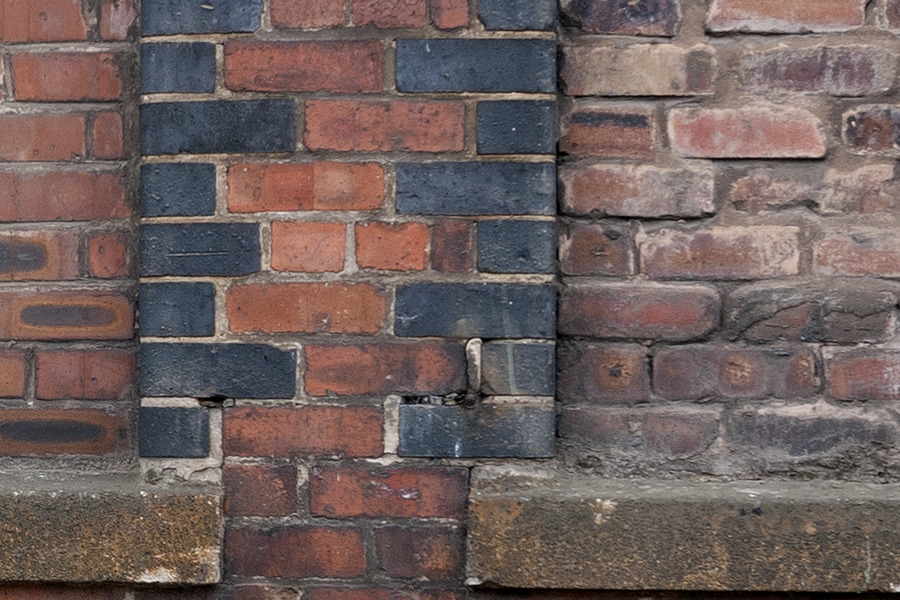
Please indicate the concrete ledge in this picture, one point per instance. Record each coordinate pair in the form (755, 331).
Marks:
(108, 530)
(563, 531)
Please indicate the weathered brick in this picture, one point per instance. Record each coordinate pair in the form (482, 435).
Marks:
(178, 67)
(762, 189)
(66, 76)
(262, 592)
(177, 309)
(12, 374)
(516, 246)
(169, 17)
(339, 67)
(217, 126)
(608, 131)
(866, 251)
(434, 552)
(351, 431)
(450, 14)
(387, 14)
(108, 135)
(211, 370)
(748, 132)
(518, 369)
(18, 591)
(65, 315)
(314, 186)
(173, 432)
(295, 551)
(595, 249)
(788, 16)
(864, 374)
(699, 372)
(38, 255)
(469, 65)
(42, 137)
(84, 374)
(624, 17)
(116, 19)
(307, 14)
(721, 253)
(603, 374)
(873, 128)
(381, 368)
(199, 249)
(371, 594)
(392, 246)
(638, 70)
(310, 247)
(62, 196)
(452, 250)
(260, 490)
(638, 311)
(305, 308)
(638, 191)
(418, 126)
(475, 310)
(42, 21)
(516, 127)
(517, 15)
(487, 188)
(404, 492)
(25, 432)
(178, 189)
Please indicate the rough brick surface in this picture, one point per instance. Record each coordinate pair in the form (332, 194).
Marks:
(307, 14)
(66, 76)
(608, 131)
(623, 17)
(305, 550)
(84, 374)
(260, 490)
(410, 552)
(791, 16)
(42, 21)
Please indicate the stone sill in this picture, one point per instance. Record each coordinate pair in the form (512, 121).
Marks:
(558, 530)
(77, 529)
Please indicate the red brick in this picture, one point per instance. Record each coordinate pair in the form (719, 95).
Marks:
(865, 374)
(88, 315)
(639, 311)
(733, 372)
(603, 374)
(305, 308)
(339, 67)
(108, 255)
(295, 551)
(872, 129)
(750, 132)
(260, 490)
(37, 255)
(762, 189)
(108, 136)
(638, 191)
(25, 432)
(307, 14)
(608, 131)
(263, 592)
(316, 186)
(786, 16)
(307, 247)
(116, 19)
(41, 21)
(12, 374)
(84, 374)
(397, 492)
(866, 251)
(452, 249)
(869, 189)
(386, 14)
(428, 367)
(721, 253)
(595, 249)
(62, 196)
(354, 431)
(41, 137)
(418, 126)
(58, 76)
(450, 14)
(59, 592)
(392, 246)
(679, 432)
(382, 594)
(435, 553)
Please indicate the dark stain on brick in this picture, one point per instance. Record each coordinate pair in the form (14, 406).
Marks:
(628, 17)
(873, 129)
(44, 431)
(700, 71)
(18, 256)
(609, 119)
(49, 315)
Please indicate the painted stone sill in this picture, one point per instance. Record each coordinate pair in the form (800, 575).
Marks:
(107, 528)
(555, 530)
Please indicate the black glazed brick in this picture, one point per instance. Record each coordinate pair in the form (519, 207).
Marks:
(486, 431)
(516, 127)
(488, 188)
(516, 246)
(476, 65)
(517, 15)
(176, 432)
(217, 126)
(518, 369)
(486, 310)
(177, 309)
(217, 370)
(178, 189)
(178, 67)
(214, 249)
(167, 17)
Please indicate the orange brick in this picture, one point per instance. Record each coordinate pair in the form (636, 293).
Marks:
(108, 136)
(41, 21)
(84, 374)
(12, 374)
(784, 16)
(62, 196)
(44, 432)
(116, 19)
(392, 246)
(386, 14)
(74, 76)
(307, 14)
(88, 315)
(108, 255)
(424, 126)
(450, 14)
(316, 186)
(308, 247)
(41, 137)
(38, 255)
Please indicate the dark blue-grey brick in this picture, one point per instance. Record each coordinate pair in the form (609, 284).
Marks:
(217, 127)
(166, 17)
(476, 65)
(516, 127)
(486, 431)
(177, 432)
(488, 188)
(178, 67)
(199, 249)
(217, 370)
(516, 246)
(485, 310)
(517, 15)
(177, 309)
(518, 369)
(178, 189)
